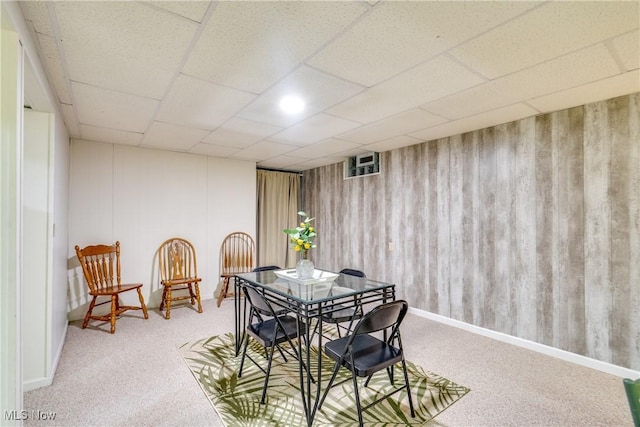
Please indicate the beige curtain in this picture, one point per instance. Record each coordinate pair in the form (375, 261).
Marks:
(278, 194)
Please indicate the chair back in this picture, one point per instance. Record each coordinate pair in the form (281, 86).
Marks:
(237, 253)
(383, 316)
(100, 265)
(259, 304)
(266, 268)
(177, 259)
(353, 272)
(633, 395)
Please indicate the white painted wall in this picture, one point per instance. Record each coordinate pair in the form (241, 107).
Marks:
(60, 241)
(142, 197)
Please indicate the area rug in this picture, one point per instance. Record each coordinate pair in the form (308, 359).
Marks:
(213, 363)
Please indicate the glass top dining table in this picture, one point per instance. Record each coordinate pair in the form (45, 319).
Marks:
(309, 301)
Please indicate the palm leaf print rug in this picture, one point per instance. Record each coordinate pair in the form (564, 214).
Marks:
(213, 363)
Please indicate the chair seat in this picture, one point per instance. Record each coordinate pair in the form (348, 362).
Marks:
(182, 281)
(263, 332)
(114, 290)
(370, 353)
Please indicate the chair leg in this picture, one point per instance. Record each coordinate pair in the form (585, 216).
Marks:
(266, 377)
(223, 290)
(281, 353)
(142, 304)
(192, 296)
(114, 308)
(89, 311)
(315, 330)
(167, 314)
(198, 297)
(406, 381)
(336, 368)
(358, 406)
(164, 298)
(244, 353)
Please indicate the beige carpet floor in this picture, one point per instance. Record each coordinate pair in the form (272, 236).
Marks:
(138, 378)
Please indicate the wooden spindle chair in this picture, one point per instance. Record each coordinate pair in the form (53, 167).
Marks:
(178, 272)
(237, 255)
(103, 279)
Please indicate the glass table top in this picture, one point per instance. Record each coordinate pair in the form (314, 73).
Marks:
(342, 286)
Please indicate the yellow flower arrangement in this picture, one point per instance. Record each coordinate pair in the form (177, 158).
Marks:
(302, 236)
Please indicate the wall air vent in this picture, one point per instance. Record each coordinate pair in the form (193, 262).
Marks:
(362, 165)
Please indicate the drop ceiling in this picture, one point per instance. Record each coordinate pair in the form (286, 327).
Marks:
(206, 77)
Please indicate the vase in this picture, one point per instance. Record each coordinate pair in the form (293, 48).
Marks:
(304, 267)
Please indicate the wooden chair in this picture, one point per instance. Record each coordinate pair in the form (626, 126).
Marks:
(178, 272)
(237, 254)
(104, 281)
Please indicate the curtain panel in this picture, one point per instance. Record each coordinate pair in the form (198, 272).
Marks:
(278, 195)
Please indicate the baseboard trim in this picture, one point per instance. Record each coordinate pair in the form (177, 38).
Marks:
(608, 368)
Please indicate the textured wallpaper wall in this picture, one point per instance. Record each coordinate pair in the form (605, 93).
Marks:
(530, 228)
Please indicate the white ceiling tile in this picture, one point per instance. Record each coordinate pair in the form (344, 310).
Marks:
(627, 48)
(396, 36)
(314, 129)
(252, 45)
(480, 121)
(263, 150)
(38, 14)
(203, 105)
(114, 136)
(314, 163)
(114, 110)
(213, 150)
(399, 124)
(575, 69)
(324, 148)
(362, 149)
(551, 30)
(393, 143)
(318, 90)
(191, 9)
(596, 91)
(241, 133)
(56, 74)
(432, 80)
(173, 137)
(124, 46)
(328, 52)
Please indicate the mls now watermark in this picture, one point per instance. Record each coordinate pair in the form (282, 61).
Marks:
(34, 414)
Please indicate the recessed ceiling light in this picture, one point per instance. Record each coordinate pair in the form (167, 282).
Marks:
(292, 104)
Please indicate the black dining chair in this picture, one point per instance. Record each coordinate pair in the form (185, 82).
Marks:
(364, 354)
(266, 268)
(336, 313)
(270, 329)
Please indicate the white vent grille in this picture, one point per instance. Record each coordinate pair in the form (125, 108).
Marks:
(362, 165)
